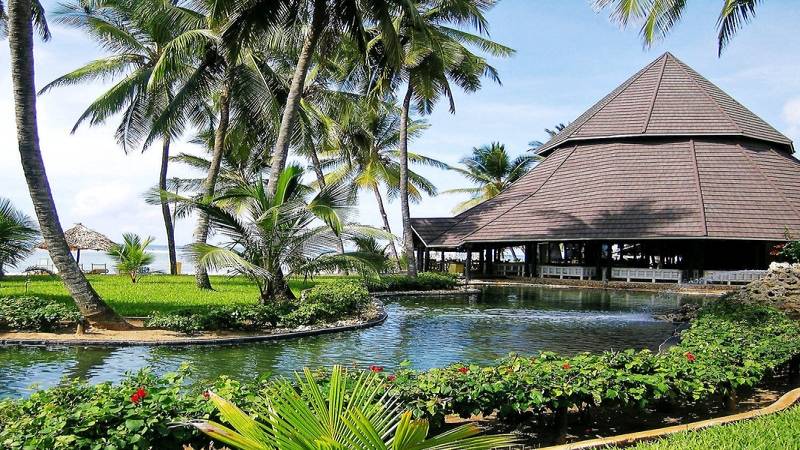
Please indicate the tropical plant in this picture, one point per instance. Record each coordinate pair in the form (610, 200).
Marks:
(436, 53)
(18, 235)
(20, 38)
(551, 133)
(657, 18)
(491, 168)
(135, 33)
(360, 416)
(368, 245)
(131, 257)
(271, 237)
(364, 154)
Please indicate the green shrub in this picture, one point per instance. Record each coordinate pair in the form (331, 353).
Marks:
(328, 302)
(425, 281)
(35, 314)
(184, 321)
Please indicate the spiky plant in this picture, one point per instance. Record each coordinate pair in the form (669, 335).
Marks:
(311, 417)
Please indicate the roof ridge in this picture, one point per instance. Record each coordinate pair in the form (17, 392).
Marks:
(684, 68)
(768, 180)
(699, 186)
(600, 104)
(525, 198)
(655, 93)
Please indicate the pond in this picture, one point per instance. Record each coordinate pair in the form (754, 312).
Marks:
(428, 331)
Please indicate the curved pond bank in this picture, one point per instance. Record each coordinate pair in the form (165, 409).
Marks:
(428, 331)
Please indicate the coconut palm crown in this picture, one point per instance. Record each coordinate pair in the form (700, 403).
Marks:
(18, 235)
(491, 168)
(271, 237)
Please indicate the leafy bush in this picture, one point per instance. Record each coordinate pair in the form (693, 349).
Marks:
(328, 302)
(331, 301)
(34, 314)
(729, 347)
(425, 281)
(131, 257)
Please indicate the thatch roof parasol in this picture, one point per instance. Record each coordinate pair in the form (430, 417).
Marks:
(81, 238)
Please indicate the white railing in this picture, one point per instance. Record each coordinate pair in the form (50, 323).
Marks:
(652, 275)
(732, 276)
(509, 269)
(582, 272)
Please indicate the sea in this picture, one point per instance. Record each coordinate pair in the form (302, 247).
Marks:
(41, 258)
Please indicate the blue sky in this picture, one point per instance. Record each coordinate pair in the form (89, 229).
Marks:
(568, 56)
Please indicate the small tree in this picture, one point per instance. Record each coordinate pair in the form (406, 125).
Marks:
(18, 235)
(131, 256)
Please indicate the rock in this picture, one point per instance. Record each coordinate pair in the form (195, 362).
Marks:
(779, 288)
(685, 313)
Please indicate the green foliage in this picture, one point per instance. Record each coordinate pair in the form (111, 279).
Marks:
(78, 416)
(35, 314)
(310, 415)
(236, 317)
(332, 301)
(131, 256)
(425, 281)
(729, 347)
(18, 234)
(775, 431)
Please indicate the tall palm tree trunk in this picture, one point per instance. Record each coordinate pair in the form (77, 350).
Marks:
(20, 38)
(169, 225)
(386, 226)
(408, 240)
(201, 231)
(281, 152)
(321, 181)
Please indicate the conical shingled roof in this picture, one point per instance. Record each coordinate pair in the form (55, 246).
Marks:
(667, 155)
(666, 98)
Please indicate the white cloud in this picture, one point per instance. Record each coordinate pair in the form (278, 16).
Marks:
(791, 115)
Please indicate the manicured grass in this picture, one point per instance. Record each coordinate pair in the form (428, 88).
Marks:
(777, 431)
(152, 293)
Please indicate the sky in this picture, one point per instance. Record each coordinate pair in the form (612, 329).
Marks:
(568, 56)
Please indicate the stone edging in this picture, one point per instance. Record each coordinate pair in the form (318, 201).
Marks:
(460, 291)
(686, 289)
(785, 402)
(193, 341)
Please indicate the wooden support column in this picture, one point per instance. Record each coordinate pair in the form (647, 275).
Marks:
(535, 259)
(468, 266)
(441, 262)
(427, 260)
(482, 261)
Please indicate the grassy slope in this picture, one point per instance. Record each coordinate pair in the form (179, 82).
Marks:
(151, 293)
(778, 431)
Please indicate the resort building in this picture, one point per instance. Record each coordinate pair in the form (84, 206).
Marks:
(667, 178)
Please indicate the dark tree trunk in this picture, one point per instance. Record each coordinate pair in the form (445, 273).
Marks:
(295, 95)
(169, 226)
(408, 239)
(201, 232)
(386, 226)
(20, 38)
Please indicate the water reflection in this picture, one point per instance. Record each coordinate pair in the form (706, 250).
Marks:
(427, 331)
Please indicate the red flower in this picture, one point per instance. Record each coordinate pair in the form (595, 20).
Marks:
(463, 369)
(376, 369)
(566, 366)
(391, 377)
(690, 357)
(206, 395)
(777, 249)
(138, 396)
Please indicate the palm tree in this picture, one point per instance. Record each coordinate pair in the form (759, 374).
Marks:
(324, 18)
(491, 168)
(271, 237)
(551, 133)
(365, 154)
(351, 411)
(657, 18)
(18, 235)
(436, 53)
(136, 33)
(20, 37)
(214, 69)
(131, 256)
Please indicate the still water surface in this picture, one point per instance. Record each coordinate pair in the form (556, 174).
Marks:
(428, 331)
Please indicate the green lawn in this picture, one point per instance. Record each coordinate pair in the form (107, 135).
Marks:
(151, 293)
(777, 431)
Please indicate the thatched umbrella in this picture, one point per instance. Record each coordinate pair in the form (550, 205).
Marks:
(81, 238)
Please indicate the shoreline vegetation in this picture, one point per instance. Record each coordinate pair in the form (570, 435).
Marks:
(730, 350)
